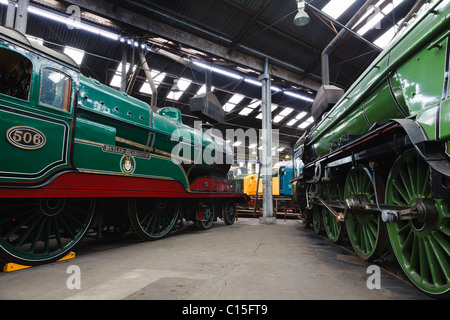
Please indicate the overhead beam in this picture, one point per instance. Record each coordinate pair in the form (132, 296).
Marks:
(128, 17)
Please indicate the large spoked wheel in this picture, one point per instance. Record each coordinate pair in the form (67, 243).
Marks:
(335, 231)
(153, 218)
(366, 230)
(37, 231)
(208, 215)
(317, 220)
(422, 247)
(229, 212)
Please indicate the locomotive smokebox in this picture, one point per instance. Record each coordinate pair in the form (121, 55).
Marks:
(326, 97)
(207, 107)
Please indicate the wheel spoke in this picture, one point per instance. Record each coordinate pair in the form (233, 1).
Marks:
(442, 264)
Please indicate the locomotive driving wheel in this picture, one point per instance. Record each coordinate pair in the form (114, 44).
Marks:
(153, 218)
(317, 220)
(422, 246)
(36, 231)
(229, 212)
(208, 215)
(365, 229)
(335, 231)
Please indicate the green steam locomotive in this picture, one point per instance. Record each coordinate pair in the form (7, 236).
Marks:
(377, 163)
(77, 155)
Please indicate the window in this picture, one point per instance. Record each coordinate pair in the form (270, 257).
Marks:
(55, 90)
(15, 74)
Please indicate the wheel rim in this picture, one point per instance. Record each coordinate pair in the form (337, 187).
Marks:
(334, 230)
(35, 231)
(153, 218)
(229, 213)
(365, 229)
(422, 248)
(208, 216)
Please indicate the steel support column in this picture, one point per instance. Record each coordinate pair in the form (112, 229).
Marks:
(11, 14)
(266, 158)
(22, 15)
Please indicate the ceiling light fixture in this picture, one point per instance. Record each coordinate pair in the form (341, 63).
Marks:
(301, 18)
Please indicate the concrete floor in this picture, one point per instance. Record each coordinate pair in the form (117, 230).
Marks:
(245, 261)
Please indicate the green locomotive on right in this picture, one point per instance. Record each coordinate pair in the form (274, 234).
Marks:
(377, 164)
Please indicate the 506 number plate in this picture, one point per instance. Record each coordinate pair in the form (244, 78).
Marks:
(26, 138)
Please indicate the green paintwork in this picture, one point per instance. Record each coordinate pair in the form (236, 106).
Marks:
(93, 158)
(115, 115)
(418, 52)
(33, 166)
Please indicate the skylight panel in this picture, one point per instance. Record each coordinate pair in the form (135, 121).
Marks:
(228, 107)
(246, 111)
(386, 38)
(234, 100)
(379, 16)
(255, 103)
(117, 79)
(306, 123)
(278, 118)
(274, 107)
(286, 112)
(76, 54)
(369, 12)
(157, 79)
(203, 89)
(301, 115)
(146, 88)
(183, 84)
(335, 8)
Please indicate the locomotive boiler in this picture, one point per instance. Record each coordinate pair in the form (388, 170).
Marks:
(76, 154)
(377, 164)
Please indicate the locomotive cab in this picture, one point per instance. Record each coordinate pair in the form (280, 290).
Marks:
(37, 94)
